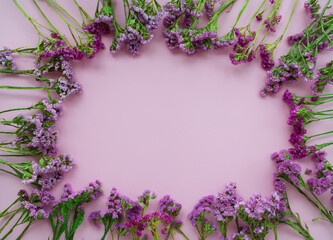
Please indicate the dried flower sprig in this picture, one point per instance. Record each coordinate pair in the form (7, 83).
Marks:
(192, 39)
(301, 59)
(68, 212)
(127, 217)
(30, 209)
(290, 172)
(43, 174)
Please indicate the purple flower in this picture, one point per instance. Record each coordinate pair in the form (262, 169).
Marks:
(286, 167)
(36, 135)
(227, 203)
(312, 8)
(38, 204)
(6, 58)
(102, 24)
(169, 206)
(204, 207)
(240, 236)
(95, 217)
(267, 61)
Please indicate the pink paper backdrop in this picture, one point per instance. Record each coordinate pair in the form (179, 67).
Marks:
(175, 124)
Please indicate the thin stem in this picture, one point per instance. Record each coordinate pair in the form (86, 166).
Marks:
(15, 109)
(23, 88)
(240, 13)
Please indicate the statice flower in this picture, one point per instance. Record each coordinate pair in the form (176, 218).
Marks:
(64, 87)
(267, 61)
(301, 59)
(142, 20)
(271, 23)
(102, 24)
(227, 203)
(275, 206)
(47, 175)
(312, 8)
(36, 135)
(286, 167)
(174, 12)
(324, 76)
(38, 204)
(6, 59)
(323, 179)
(198, 215)
(68, 211)
(242, 51)
(292, 39)
(169, 206)
(111, 215)
(240, 236)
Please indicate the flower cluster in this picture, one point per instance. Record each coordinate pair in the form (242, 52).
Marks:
(301, 60)
(323, 175)
(6, 59)
(31, 208)
(142, 19)
(259, 214)
(126, 216)
(192, 39)
(68, 212)
(312, 8)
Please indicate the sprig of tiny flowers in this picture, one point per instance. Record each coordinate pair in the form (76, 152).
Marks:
(254, 218)
(303, 112)
(191, 39)
(30, 209)
(43, 174)
(126, 217)
(68, 212)
(301, 60)
(288, 171)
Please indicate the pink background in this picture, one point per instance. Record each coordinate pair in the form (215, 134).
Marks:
(178, 125)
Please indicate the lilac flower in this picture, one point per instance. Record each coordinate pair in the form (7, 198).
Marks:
(227, 203)
(6, 58)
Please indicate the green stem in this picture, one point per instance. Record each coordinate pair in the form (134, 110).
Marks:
(320, 134)
(25, 229)
(14, 109)
(240, 13)
(290, 17)
(24, 88)
(51, 25)
(182, 233)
